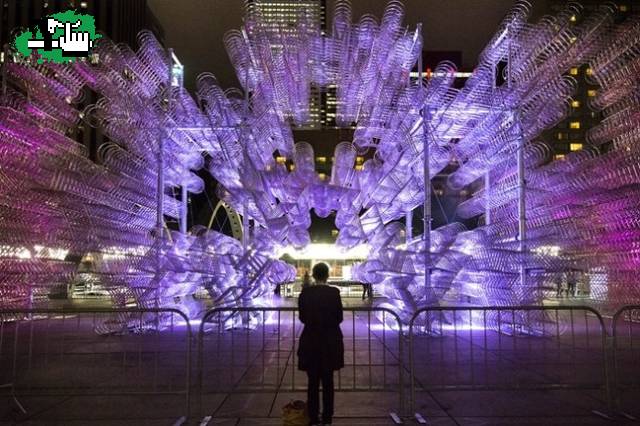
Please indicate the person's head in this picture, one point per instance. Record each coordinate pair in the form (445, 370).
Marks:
(320, 272)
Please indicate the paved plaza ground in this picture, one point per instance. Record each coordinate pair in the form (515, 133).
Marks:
(68, 374)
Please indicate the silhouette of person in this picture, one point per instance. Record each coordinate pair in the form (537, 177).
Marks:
(367, 291)
(571, 283)
(306, 280)
(558, 282)
(321, 349)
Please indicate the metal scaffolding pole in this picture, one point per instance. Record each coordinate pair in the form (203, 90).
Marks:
(487, 175)
(426, 235)
(487, 189)
(245, 213)
(522, 205)
(161, 166)
(162, 131)
(160, 191)
(426, 122)
(184, 209)
(184, 193)
(245, 226)
(408, 218)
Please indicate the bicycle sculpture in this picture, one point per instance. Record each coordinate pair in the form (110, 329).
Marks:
(585, 207)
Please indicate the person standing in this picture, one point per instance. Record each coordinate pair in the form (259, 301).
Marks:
(321, 348)
(571, 283)
(367, 291)
(558, 282)
(306, 280)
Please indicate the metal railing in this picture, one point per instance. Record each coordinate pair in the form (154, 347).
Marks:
(507, 348)
(252, 350)
(625, 331)
(55, 353)
(128, 352)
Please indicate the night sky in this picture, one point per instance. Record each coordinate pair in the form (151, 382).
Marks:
(195, 28)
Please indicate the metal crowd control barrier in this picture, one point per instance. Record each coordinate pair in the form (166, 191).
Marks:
(507, 348)
(626, 357)
(52, 355)
(253, 350)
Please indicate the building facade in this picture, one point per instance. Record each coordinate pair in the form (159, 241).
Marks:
(281, 16)
(570, 134)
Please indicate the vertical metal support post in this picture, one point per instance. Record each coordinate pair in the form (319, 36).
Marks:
(426, 235)
(245, 226)
(487, 190)
(184, 193)
(487, 176)
(160, 217)
(184, 208)
(245, 213)
(162, 131)
(522, 205)
(408, 218)
(160, 192)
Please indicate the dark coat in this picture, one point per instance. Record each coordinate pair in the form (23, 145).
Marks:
(321, 343)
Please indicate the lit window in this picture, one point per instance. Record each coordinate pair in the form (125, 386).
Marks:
(560, 136)
(573, 18)
(573, 71)
(321, 159)
(589, 71)
(575, 146)
(559, 156)
(359, 160)
(334, 232)
(359, 167)
(575, 104)
(281, 160)
(322, 176)
(292, 167)
(83, 4)
(591, 93)
(574, 125)
(623, 8)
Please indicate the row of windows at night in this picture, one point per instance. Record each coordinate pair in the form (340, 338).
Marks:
(563, 136)
(575, 71)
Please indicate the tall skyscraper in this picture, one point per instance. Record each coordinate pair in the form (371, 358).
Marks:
(281, 16)
(570, 134)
